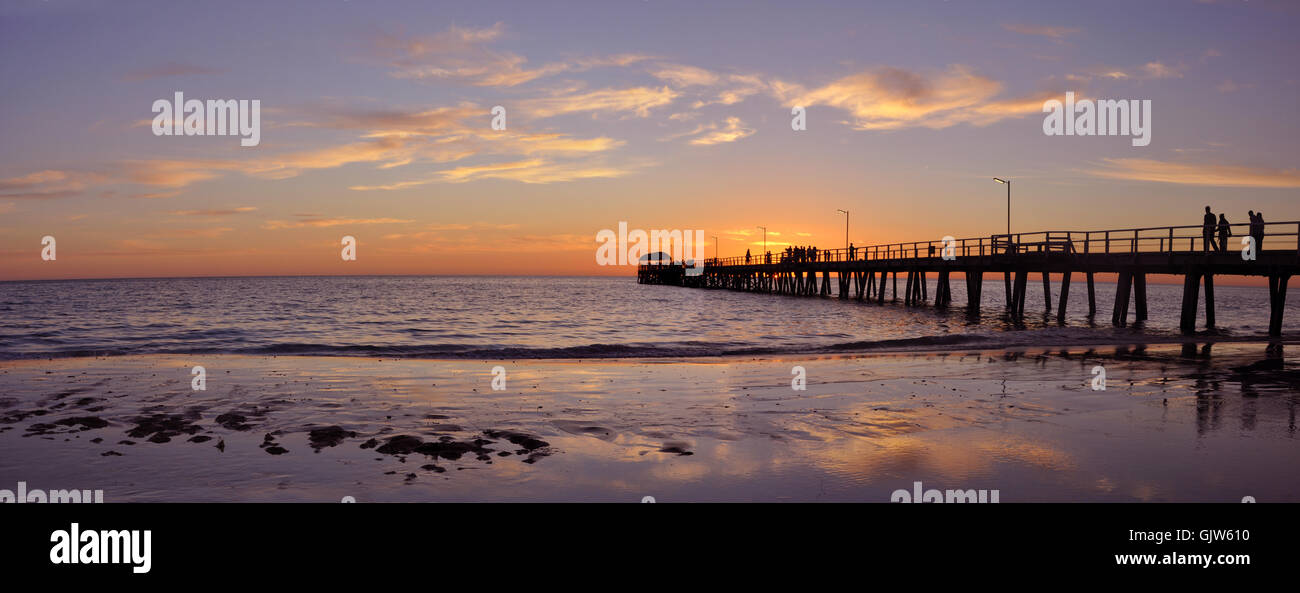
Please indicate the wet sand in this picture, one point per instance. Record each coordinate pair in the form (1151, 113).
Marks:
(1174, 424)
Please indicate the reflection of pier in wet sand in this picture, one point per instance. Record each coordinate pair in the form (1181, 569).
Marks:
(864, 273)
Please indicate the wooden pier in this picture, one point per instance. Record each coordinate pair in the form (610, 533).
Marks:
(872, 273)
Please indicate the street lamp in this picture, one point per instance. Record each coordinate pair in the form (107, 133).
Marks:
(1008, 184)
(715, 248)
(764, 238)
(846, 227)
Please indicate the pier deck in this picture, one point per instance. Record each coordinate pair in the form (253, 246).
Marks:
(871, 273)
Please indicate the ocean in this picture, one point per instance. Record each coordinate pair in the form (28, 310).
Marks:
(474, 317)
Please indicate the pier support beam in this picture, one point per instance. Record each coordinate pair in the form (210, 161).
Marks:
(1119, 315)
(1209, 301)
(1065, 297)
(1277, 303)
(1191, 294)
(1140, 295)
(1006, 282)
(1018, 294)
(1047, 291)
(942, 290)
(974, 290)
(1092, 298)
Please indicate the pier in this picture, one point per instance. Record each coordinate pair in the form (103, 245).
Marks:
(871, 273)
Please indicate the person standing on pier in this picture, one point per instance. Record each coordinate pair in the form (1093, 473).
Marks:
(1207, 230)
(1225, 231)
(1257, 231)
(853, 252)
(746, 256)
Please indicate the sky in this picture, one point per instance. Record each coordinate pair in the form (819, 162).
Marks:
(376, 123)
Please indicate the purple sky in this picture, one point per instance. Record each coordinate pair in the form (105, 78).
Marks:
(375, 123)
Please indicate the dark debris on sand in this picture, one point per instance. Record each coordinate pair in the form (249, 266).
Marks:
(160, 428)
(447, 447)
(328, 436)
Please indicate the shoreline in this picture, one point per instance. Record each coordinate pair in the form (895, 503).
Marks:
(829, 352)
(1170, 426)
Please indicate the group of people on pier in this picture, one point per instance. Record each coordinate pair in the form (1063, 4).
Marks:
(798, 254)
(1210, 225)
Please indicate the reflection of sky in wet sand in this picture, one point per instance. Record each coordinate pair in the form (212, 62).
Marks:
(1172, 425)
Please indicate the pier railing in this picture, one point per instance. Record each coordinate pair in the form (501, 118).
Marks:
(1168, 239)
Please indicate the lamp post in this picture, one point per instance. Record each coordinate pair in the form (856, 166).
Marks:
(715, 248)
(764, 238)
(1007, 182)
(846, 229)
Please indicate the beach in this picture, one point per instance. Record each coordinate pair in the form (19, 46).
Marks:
(1197, 422)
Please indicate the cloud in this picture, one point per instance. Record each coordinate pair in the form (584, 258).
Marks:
(305, 222)
(1230, 86)
(206, 233)
(157, 195)
(48, 183)
(226, 212)
(1057, 34)
(169, 69)
(389, 138)
(1148, 71)
(636, 100)
(737, 88)
(462, 55)
(538, 171)
(732, 131)
(893, 98)
(1198, 173)
(682, 75)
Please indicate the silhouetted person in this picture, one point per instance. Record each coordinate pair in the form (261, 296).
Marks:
(767, 257)
(1258, 231)
(1207, 230)
(853, 252)
(1225, 231)
(746, 256)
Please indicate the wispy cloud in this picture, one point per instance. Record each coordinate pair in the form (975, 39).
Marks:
(1149, 71)
(304, 222)
(465, 56)
(1197, 173)
(684, 75)
(635, 100)
(1057, 34)
(731, 130)
(169, 69)
(215, 212)
(48, 183)
(893, 98)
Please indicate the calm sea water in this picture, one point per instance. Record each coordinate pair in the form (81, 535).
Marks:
(543, 317)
